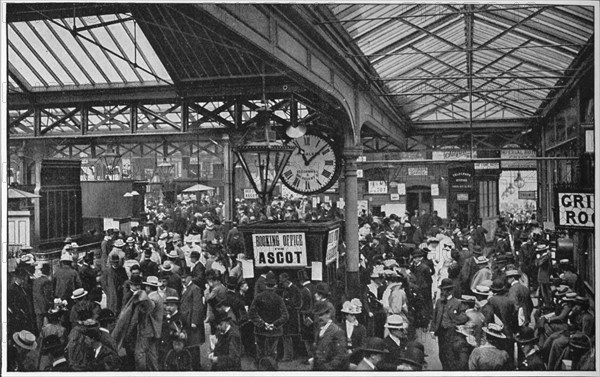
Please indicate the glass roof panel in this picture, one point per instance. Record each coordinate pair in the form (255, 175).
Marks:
(104, 53)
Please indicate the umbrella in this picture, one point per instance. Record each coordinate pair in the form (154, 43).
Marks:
(198, 187)
(14, 193)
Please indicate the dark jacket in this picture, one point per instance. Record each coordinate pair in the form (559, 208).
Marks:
(192, 311)
(503, 307)
(292, 299)
(359, 334)
(268, 307)
(65, 280)
(228, 351)
(330, 350)
(454, 315)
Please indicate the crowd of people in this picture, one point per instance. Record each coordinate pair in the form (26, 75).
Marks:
(172, 295)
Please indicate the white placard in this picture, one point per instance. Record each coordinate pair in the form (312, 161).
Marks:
(359, 173)
(279, 249)
(250, 194)
(486, 165)
(110, 223)
(315, 202)
(332, 246)
(402, 189)
(589, 141)
(287, 193)
(378, 187)
(435, 189)
(326, 199)
(441, 206)
(576, 209)
(316, 271)
(363, 204)
(341, 203)
(394, 208)
(247, 268)
(394, 196)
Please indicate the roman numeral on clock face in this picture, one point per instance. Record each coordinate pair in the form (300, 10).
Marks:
(325, 151)
(326, 173)
(296, 182)
(307, 185)
(306, 140)
(329, 163)
(288, 174)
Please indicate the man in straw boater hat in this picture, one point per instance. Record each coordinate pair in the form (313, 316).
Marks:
(529, 356)
(489, 355)
(22, 356)
(65, 278)
(520, 296)
(396, 342)
(373, 351)
(447, 314)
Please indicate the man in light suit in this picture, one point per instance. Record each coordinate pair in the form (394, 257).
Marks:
(330, 341)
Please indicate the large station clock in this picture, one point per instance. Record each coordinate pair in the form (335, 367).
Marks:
(314, 165)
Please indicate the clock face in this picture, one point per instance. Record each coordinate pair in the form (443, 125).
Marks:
(313, 167)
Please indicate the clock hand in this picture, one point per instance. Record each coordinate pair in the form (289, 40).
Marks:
(316, 154)
(301, 152)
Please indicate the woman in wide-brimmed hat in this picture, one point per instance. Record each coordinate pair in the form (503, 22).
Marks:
(356, 332)
(489, 356)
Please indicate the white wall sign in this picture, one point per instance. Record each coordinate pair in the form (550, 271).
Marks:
(332, 246)
(435, 189)
(576, 209)
(418, 170)
(589, 141)
(316, 271)
(402, 189)
(508, 154)
(279, 249)
(441, 206)
(250, 194)
(463, 197)
(378, 187)
(486, 165)
(394, 196)
(455, 154)
(359, 173)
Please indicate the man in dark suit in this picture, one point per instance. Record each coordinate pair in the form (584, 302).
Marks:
(268, 314)
(520, 296)
(307, 291)
(42, 295)
(197, 270)
(192, 312)
(330, 341)
(447, 314)
(374, 350)
(227, 354)
(544, 265)
(147, 266)
(423, 281)
(293, 301)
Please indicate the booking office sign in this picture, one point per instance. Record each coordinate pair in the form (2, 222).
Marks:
(575, 209)
(279, 249)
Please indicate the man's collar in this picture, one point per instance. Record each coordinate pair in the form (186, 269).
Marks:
(395, 339)
(514, 282)
(61, 360)
(105, 330)
(369, 362)
(532, 351)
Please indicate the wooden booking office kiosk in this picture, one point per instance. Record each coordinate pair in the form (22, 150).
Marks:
(293, 246)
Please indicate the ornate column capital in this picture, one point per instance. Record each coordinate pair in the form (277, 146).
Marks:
(350, 154)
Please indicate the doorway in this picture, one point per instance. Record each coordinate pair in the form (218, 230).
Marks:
(418, 198)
